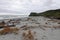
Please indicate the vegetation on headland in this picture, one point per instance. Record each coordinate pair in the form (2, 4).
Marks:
(49, 13)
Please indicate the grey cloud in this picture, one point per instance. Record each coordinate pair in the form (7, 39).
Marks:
(27, 6)
(8, 11)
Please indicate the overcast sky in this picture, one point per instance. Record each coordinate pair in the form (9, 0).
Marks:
(24, 7)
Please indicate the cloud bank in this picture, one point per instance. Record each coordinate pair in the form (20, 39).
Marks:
(24, 7)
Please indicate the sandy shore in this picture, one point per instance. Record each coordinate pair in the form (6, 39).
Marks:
(45, 28)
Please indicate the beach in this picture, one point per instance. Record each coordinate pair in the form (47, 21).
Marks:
(44, 28)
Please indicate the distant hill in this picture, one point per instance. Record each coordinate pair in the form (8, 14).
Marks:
(49, 13)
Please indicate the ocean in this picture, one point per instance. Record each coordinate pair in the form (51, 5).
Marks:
(12, 16)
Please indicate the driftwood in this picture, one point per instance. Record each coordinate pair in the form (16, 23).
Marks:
(7, 30)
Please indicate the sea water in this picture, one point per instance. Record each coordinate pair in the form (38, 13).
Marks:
(12, 16)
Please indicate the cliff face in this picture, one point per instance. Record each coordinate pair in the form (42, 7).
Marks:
(49, 13)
